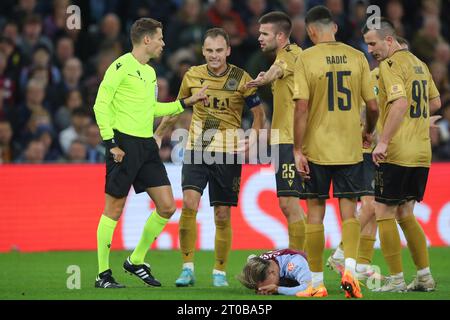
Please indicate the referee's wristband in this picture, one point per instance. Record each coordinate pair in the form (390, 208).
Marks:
(109, 144)
(183, 104)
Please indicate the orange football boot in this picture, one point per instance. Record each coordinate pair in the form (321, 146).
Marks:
(310, 292)
(351, 286)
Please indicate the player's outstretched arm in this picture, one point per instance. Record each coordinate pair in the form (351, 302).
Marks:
(274, 72)
(200, 96)
(169, 120)
(173, 108)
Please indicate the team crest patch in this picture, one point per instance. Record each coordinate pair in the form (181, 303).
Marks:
(231, 84)
(290, 266)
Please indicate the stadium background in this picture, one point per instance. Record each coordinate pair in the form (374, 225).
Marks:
(51, 176)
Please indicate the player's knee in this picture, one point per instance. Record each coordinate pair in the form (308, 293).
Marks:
(190, 203)
(113, 211)
(314, 219)
(371, 207)
(167, 210)
(402, 214)
(113, 215)
(222, 213)
(368, 206)
(284, 206)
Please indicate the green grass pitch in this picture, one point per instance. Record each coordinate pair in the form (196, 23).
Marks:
(44, 276)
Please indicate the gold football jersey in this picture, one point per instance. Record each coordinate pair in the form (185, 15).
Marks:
(213, 127)
(404, 75)
(283, 90)
(334, 78)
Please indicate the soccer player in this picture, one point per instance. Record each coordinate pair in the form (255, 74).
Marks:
(283, 271)
(331, 80)
(275, 29)
(408, 96)
(125, 108)
(366, 214)
(206, 155)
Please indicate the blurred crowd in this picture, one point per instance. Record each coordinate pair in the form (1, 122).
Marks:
(49, 75)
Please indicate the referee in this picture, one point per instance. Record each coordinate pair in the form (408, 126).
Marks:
(125, 108)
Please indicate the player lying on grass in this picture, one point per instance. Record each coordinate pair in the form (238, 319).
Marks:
(283, 271)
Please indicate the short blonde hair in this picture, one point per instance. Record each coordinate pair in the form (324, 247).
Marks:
(255, 271)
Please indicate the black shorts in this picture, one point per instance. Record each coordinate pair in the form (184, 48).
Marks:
(347, 181)
(141, 166)
(369, 175)
(223, 178)
(288, 179)
(395, 185)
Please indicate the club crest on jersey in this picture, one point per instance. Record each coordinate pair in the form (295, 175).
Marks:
(290, 266)
(231, 84)
(375, 90)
